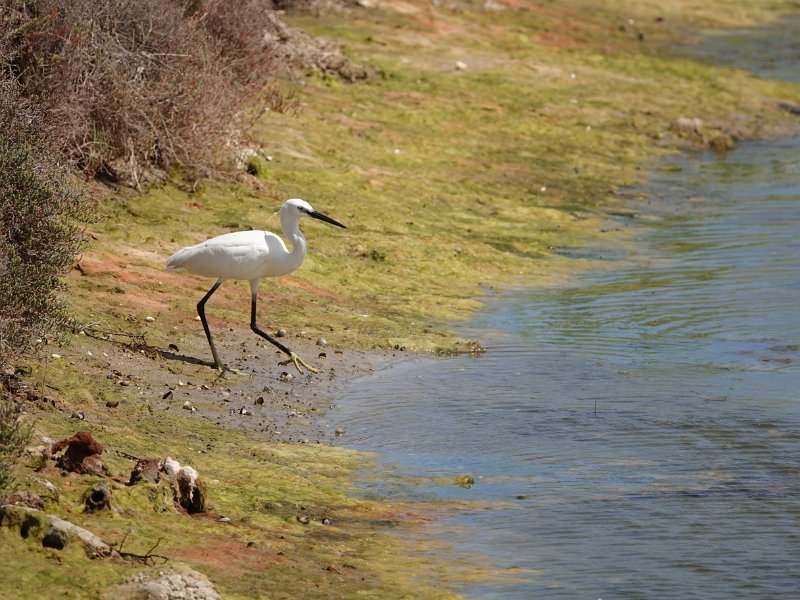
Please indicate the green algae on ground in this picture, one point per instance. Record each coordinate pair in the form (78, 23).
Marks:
(450, 180)
(291, 529)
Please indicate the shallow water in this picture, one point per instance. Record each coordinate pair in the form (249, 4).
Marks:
(635, 435)
(770, 51)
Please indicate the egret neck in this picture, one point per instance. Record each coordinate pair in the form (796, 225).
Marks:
(290, 224)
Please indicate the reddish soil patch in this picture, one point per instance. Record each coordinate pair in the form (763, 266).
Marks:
(229, 556)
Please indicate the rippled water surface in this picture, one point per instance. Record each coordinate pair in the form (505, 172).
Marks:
(636, 435)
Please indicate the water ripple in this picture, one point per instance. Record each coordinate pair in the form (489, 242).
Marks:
(640, 428)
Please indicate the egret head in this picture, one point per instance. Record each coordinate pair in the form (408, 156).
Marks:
(296, 208)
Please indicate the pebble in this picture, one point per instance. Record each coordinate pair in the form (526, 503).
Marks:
(112, 403)
(285, 376)
(167, 395)
(322, 342)
(55, 356)
(339, 432)
(224, 519)
(303, 519)
(326, 521)
(460, 65)
(245, 411)
(281, 333)
(188, 406)
(149, 319)
(259, 401)
(78, 415)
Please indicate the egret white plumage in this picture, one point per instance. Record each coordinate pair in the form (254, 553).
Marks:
(250, 255)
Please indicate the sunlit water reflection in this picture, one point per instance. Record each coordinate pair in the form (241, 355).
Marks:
(639, 432)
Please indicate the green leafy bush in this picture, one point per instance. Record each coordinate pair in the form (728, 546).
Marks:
(40, 233)
(15, 434)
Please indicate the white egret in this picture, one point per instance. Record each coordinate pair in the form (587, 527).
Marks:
(250, 255)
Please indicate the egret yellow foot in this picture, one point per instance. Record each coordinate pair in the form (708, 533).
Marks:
(299, 363)
(224, 371)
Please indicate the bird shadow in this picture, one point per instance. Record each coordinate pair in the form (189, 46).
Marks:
(193, 360)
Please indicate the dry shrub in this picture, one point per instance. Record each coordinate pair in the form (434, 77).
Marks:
(39, 235)
(138, 85)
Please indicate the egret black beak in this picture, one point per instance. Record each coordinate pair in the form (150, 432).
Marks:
(327, 219)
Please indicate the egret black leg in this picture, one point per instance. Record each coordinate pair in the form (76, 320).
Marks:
(258, 331)
(201, 310)
(293, 358)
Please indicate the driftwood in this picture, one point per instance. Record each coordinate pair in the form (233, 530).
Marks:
(148, 558)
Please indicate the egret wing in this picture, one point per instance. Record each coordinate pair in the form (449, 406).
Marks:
(239, 255)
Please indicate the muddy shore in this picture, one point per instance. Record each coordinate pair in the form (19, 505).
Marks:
(268, 401)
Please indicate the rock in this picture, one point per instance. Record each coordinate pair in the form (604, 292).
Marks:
(51, 531)
(461, 65)
(147, 469)
(112, 403)
(322, 342)
(281, 333)
(338, 432)
(44, 483)
(789, 107)
(149, 319)
(465, 481)
(97, 498)
(189, 490)
(27, 498)
(179, 582)
(55, 537)
(39, 452)
(688, 128)
(722, 142)
(285, 376)
(82, 454)
(92, 545)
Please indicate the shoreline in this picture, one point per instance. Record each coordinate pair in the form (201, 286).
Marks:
(275, 466)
